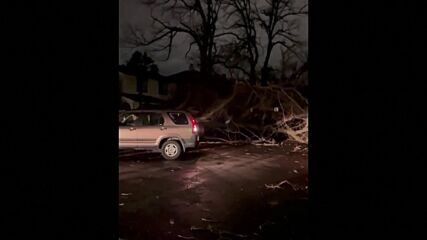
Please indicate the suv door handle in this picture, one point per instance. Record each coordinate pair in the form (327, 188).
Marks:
(132, 129)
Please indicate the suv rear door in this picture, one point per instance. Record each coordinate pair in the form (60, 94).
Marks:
(179, 124)
(151, 129)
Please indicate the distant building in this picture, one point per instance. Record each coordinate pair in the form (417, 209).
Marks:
(155, 88)
(152, 87)
(169, 91)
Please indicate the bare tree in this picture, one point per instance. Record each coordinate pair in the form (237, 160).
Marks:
(233, 58)
(195, 18)
(276, 18)
(243, 16)
(292, 68)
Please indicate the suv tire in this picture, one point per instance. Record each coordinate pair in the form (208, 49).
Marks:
(171, 150)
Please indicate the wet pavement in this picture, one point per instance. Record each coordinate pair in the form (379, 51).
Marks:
(216, 192)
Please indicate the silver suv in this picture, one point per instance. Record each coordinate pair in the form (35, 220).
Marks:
(170, 132)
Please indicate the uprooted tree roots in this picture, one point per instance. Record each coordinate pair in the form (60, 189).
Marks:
(261, 114)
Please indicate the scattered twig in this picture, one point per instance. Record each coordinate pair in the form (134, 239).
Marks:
(232, 235)
(208, 220)
(279, 185)
(184, 237)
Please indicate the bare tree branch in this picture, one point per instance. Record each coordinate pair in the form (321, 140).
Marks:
(275, 20)
(189, 48)
(244, 30)
(195, 18)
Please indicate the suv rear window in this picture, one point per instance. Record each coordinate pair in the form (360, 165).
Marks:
(141, 119)
(178, 118)
(150, 119)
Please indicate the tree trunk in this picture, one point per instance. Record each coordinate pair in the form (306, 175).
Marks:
(120, 92)
(265, 70)
(264, 76)
(252, 77)
(205, 66)
(141, 78)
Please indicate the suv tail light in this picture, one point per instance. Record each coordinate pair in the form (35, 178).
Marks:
(194, 127)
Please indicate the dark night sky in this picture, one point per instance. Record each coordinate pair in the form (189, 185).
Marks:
(134, 13)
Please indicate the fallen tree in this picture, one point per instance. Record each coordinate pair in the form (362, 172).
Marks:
(258, 114)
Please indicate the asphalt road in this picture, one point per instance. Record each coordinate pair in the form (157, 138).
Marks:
(216, 192)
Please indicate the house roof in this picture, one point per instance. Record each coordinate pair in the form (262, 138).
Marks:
(127, 71)
(123, 75)
(183, 76)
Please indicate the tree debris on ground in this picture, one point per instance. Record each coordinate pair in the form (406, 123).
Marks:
(281, 185)
(208, 220)
(210, 231)
(185, 237)
(261, 115)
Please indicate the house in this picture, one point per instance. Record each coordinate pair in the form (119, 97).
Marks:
(155, 89)
(151, 92)
(170, 91)
(152, 86)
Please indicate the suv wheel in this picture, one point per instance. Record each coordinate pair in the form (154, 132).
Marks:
(171, 150)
